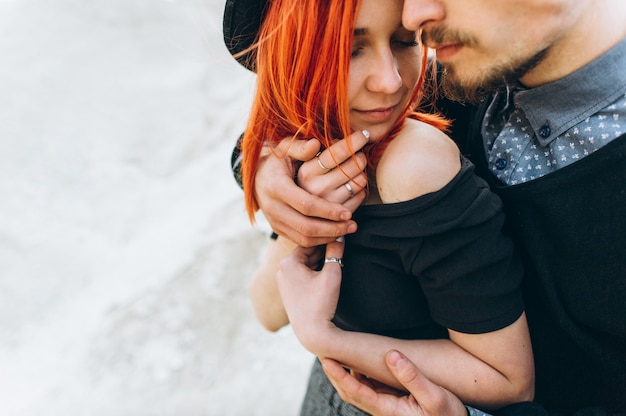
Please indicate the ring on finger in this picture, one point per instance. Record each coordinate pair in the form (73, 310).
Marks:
(349, 188)
(337, 260)
(319, 161)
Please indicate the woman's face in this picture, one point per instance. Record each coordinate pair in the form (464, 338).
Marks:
(384, 67)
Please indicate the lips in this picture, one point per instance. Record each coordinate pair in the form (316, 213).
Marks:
(444, 48)
(377, 114)
(446, 52)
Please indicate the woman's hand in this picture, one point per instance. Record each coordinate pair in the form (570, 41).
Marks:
(309, 296)
(292, 211)
(337, 174)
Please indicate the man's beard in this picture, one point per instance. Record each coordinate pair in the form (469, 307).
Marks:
(493, 80)
(485, 83)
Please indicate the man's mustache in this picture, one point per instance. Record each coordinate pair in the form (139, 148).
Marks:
(441, 35)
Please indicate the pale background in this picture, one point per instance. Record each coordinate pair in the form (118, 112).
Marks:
(125, 252)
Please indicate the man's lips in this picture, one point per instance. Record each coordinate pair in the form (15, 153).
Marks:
(445, 52)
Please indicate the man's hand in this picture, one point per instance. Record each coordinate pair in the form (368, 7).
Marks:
(295, 213)
(425, 398)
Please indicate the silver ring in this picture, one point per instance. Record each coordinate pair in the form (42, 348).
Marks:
(349, 188)
(337, 260)
(319, 161)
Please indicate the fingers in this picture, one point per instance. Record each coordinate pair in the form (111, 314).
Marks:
(363, 396)
(426, 398)
(332, 175)
(301, 150)
(292, 212)
(345, 383)
(306, 223)
(432, 398)
(342, 150)
(319, 210)
(334, 249)
(406, 372)
(309, 231)
(334, 253)
(353, 203)
(337, 174)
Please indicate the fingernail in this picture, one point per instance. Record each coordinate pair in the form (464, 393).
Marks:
(339, 239)
(395, 358)
(366, 134)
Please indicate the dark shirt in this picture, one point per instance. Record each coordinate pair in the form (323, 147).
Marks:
(571, 230)
(438, 261)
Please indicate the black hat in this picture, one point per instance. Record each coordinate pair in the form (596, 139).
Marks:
(242, 20)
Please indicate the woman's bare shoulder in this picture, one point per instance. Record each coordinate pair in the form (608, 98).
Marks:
(421, 160)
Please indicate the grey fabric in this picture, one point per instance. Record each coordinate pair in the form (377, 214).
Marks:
(322, 399)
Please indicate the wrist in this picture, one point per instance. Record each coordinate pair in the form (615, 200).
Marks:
(317, 338)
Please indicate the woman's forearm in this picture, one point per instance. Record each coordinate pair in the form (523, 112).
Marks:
(502, 375)
(263, 288)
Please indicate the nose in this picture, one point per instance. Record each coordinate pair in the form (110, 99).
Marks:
(416, 13)
(384, 75)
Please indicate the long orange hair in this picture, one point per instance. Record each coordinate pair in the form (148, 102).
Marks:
(303, 56)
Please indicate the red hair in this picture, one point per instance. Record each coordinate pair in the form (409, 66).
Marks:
(302, 60)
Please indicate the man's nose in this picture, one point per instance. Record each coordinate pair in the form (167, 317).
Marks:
(416, 13)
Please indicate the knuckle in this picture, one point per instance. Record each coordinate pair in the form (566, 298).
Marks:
(316, 188)
(307, 242)
(305, 206)
(338, 232)
(305, 171)
(361, 161)
(305, 230)
(438, 402)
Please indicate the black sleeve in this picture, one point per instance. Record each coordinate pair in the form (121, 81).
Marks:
(522, 409)
(235, 161)
(534, 409)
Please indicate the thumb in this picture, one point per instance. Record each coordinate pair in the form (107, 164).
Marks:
(407, 373)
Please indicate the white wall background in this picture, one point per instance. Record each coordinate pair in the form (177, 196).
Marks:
(125, 252)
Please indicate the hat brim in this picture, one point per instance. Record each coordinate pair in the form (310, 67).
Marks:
(242, 20)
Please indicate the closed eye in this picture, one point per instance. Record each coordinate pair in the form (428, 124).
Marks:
(406, 44)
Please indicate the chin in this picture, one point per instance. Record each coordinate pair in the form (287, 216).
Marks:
(377, 133)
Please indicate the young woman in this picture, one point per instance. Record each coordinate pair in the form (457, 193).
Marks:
(428, 272)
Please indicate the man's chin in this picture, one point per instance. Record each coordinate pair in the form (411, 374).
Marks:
(469, 92)
(473, 88)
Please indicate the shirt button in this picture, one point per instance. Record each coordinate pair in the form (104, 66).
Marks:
(545, 131)
(501, 164)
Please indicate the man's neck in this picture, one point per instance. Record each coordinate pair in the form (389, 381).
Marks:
(599, 26)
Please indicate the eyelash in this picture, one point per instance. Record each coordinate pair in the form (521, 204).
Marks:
(355, 52)
(409, 44)
(401, 44)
